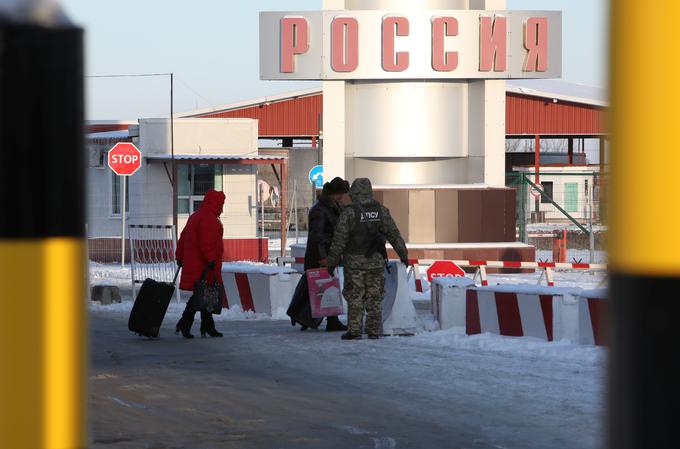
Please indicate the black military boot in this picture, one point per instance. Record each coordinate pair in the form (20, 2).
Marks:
(333, 324)
(350, 336)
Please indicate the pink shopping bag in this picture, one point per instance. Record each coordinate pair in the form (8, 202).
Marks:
(324, 293)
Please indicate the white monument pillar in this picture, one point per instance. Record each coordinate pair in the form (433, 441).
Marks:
(389, 131)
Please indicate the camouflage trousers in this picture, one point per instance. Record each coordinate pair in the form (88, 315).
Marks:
(364, 291)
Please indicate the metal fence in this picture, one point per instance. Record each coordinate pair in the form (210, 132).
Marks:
(566, 205)
(152, 254)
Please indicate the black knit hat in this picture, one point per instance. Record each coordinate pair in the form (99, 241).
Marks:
(337, 185)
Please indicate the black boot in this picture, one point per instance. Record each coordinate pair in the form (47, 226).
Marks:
(208, 326)
(184, 324)
(348, 336)
(333, 324)
(210, 331)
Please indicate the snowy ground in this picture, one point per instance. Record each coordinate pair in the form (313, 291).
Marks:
(267, 385)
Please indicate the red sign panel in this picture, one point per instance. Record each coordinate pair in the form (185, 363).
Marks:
(125, 159)
(444, 268)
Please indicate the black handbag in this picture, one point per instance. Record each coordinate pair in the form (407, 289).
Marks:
(208, 297)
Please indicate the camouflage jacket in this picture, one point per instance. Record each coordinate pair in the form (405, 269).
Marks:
(362, 193)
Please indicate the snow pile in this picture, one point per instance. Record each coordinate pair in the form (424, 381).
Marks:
(455, 338)
(110, 274)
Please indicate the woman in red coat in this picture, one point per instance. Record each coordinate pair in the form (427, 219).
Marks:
(200, 246)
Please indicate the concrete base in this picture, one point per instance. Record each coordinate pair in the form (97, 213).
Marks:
(512, 251)
(105, 294)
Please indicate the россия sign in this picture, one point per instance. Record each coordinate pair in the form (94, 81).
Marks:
(456, 44)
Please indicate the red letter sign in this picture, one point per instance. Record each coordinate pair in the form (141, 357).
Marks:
(443, 61)
(344, 44)
(294, 41)
(536, 41)
(493, 36)
(402, 58)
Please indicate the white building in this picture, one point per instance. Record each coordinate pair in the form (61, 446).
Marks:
(209, 153)
(573, 187)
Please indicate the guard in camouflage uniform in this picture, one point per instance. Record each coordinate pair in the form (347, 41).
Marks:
(360, 236)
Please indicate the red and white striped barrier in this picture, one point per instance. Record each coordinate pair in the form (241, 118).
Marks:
(549, 313)
(582, 317)
(298, 261)
(508, 313)
(259, 288)
(516, 264)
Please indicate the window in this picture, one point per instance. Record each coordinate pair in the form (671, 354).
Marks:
(571, 197)
(548, 189)
(193, 182)
(116, 194)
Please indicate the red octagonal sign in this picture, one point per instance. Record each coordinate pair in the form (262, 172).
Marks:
(444, 268)
(125, 159)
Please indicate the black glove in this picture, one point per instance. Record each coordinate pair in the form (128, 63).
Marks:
(179, 263)
(211, 264)
(331, 271)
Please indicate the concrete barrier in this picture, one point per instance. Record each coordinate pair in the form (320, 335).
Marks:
(581, 318)
(259, 288)
(448, 300)
(398, 312)
(516, 311)
(548, 313)
(105, 294)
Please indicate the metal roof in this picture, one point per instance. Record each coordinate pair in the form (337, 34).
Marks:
(559, 90)
(213, 157)
(253, 102)
(120, 134)
(552, 89)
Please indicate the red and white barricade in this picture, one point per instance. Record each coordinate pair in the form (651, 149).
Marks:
(549, 313)
(298, 259)
(510, 310)
(547, 268)
(259, 288)
(581, 318)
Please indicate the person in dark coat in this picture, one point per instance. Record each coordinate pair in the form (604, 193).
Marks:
(200, 246)
(323, 217)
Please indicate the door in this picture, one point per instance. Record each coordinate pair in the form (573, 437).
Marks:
(571, 197)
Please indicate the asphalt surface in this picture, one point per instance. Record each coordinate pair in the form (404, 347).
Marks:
(266, 385)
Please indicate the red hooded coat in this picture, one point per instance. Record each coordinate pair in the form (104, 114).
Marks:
(201, 242)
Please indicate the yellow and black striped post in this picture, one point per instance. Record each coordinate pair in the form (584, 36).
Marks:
(644, 378)
(42, 247)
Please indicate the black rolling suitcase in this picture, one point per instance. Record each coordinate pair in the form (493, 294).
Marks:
(299, 309)
(150, 306)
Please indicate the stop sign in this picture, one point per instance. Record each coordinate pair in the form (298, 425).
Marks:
(444, 268)
(124, 159)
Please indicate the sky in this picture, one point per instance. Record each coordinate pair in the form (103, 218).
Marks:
(212, 48)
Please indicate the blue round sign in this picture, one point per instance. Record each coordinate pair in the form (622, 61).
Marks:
(316, 176)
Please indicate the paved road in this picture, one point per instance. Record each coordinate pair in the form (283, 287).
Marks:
(268, 386)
